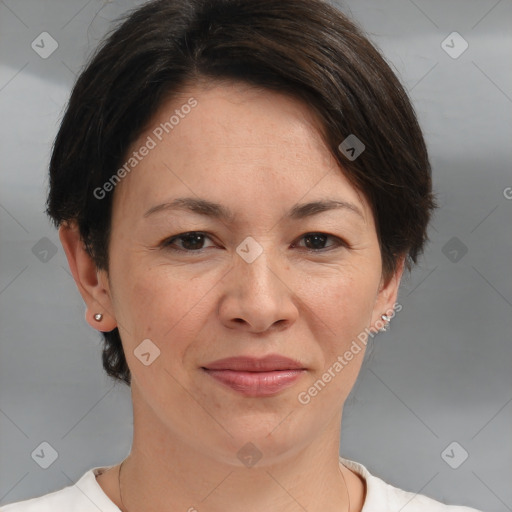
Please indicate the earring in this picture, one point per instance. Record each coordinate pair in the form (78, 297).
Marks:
(386, 319)
(98, 317)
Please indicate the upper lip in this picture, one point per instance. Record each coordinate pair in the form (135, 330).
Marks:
(253, 364)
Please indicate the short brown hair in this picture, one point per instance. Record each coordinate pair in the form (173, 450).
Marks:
(304, 48)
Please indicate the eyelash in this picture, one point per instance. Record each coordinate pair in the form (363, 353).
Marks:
(167, 244)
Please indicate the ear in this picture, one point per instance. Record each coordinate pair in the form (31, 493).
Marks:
(92, 283)
(386, 297)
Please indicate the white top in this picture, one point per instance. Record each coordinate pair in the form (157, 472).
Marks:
(87, 496)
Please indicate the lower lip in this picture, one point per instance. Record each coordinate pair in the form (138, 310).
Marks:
(256, 383)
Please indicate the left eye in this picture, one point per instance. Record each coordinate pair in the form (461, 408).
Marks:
(315, 241)
(194, 240)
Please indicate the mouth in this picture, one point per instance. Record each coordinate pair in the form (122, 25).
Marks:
(254, 377)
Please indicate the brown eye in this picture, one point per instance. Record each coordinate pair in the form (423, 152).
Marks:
(192, 241)
(315, 242)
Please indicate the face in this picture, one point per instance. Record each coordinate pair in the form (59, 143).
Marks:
(271, 279)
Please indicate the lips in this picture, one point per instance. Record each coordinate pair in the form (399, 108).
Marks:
(256, 377)
(252, 364)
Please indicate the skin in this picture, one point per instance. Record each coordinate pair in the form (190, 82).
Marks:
(258, 153)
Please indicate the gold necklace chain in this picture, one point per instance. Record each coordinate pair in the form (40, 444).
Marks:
(124, 509)
(120, 492)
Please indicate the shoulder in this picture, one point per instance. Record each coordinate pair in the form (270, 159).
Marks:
(382, 497)
(83, 496)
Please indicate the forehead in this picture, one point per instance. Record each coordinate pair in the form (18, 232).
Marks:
(232, 140)
(241, 119)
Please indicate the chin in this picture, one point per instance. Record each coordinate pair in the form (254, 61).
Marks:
(257, 439)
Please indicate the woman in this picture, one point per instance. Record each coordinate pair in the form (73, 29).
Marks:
(239, 186)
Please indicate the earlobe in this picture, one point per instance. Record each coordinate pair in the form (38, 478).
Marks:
(385, 305)
(91, 286)
(103, 322)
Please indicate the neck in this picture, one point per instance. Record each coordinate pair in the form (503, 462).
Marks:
(164, 470)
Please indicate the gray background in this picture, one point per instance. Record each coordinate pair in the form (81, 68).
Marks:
(443, 371)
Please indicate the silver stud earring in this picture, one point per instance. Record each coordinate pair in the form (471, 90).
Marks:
(386, 319)
(98, 317)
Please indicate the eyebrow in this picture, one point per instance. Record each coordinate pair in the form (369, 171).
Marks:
(218, 211)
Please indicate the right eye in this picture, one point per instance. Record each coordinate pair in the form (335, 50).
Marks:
(190, 241)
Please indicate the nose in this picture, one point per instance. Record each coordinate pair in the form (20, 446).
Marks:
(258, 296)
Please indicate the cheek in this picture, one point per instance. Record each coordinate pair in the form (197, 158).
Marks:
(342, 309)
(343, 306)
(156, 303)
(347, 297)
(355, 300)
